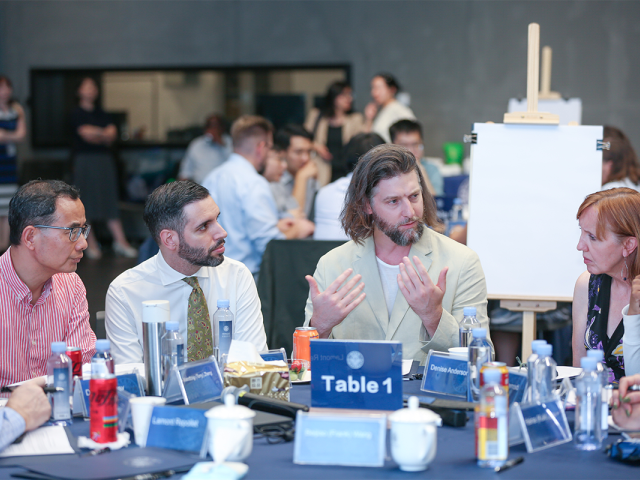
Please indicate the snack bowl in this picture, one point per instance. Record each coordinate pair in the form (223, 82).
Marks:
(298, 369)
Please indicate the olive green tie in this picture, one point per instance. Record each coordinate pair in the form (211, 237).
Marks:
(200, 341)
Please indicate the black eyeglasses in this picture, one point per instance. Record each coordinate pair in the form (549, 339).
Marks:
(74, 232)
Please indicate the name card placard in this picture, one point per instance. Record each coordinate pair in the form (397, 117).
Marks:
(356, 375)
(194, 382)
(445, 376)
(323, 439)
(177, 428)
(274, 355)
(542, 425)
(517, 384)
(130, 383)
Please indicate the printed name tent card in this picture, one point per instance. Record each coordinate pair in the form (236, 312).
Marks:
(194, 382)
(356, 375)
(541, 425)
(177, 428)
(445, 376)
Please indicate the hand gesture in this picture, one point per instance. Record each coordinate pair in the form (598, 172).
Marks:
(370, 111)
(626, 404)
(423, 296)
(334, 304)
(310, 170)
(634, 300)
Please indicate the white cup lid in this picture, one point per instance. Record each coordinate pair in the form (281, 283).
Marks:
(414, 414)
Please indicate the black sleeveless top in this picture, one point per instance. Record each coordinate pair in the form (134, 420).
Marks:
(595, 337)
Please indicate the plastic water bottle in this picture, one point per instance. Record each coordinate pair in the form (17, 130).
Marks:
(223, 321)
(59, 375)
(588, 422)
(606, 389)
(479, 354)
(528, 394)
(456, 211)
(544, 374)
(172, 348)
(102, 361)
(491, 420)
(469, 322)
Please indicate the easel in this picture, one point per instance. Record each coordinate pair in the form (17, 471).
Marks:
(530, 307)
(545, 77)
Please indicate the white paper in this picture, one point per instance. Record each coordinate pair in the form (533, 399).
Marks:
(569, 110)
(42, 441)
(406, 366)
(122, 369)
(240, 351)
(567, 372)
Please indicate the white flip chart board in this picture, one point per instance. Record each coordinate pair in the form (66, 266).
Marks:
(526, 184)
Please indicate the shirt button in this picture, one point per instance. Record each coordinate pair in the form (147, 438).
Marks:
(33, 342)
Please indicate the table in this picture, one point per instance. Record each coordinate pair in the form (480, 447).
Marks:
(454, 458)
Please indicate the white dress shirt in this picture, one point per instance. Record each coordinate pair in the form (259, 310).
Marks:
(248, 210)
(329, 203)
(631, 342)
(156, 280)
(203, 155)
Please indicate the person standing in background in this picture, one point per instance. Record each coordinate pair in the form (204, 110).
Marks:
(12, 130)
(385, 110)
(332, 127)
(94, 169)
(620, 166)
(207, 151)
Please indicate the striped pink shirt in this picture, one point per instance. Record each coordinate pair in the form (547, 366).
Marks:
(61, 314)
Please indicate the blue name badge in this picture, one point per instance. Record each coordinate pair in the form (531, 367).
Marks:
(445, 376)
(325, 439)
(130, 383)
(517, 384)
(542, 425)
(359, 375)
(194, 382)
(177, 428)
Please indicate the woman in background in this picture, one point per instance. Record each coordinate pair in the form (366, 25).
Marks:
(385, 110)
(94, 168)
(332, 128)
(620, 166)
(12, 130)
(610, 231)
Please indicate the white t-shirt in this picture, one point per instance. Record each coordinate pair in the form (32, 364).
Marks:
(389, 279)
(625, 182)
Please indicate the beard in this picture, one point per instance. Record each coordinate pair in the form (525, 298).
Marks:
(397, 236)
(200, 256)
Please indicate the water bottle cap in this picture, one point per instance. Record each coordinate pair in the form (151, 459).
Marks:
(469, 311)
(479, 333)
(223, 303)
(588, 364)
(536, 343)
(102, 345)
(172, 326)
(58, 347)
(545, 350)
(597, 354)
(457, 201)
(492, 375)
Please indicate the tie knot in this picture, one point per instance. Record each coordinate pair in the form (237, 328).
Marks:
(193, 281)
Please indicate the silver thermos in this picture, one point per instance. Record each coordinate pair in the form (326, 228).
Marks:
(154, 315)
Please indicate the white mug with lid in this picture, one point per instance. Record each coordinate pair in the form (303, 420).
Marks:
(414, 436)
(230, 430)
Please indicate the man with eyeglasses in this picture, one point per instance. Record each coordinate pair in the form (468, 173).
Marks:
(408, 134)
(42, 299)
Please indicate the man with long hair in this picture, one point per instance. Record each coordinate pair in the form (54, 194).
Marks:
(398, 279)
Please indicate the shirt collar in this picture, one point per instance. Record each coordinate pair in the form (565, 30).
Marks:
(168, 275)
(17, 286)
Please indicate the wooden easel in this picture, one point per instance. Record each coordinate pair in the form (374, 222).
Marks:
(530, 307)
(533, 71)
(545, 77)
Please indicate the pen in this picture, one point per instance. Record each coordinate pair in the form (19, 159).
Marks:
(98, 451)
(46, 389)
(509, 464)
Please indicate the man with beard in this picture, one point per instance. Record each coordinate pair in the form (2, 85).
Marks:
(190, 271)
(398, 279)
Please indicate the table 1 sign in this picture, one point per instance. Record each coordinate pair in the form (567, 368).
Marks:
(359, 375)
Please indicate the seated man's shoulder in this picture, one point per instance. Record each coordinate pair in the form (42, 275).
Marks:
(68, 281)
(146, 271)
(230, 268)
(442, 243)
(342, 254)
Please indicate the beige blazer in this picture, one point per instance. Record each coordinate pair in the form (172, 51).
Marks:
(353, 124)
(370, 320)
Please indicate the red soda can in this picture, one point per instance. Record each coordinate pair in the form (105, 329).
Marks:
(75, 354)
(104, 409)
(301, 343)
(504, 379)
